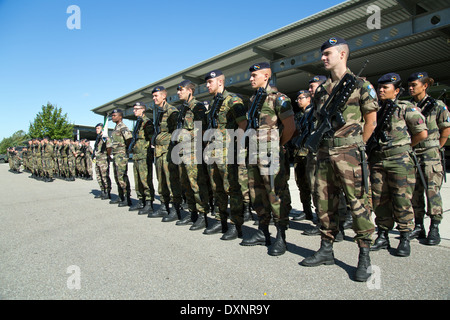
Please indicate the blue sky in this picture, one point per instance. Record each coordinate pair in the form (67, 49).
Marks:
(121, 46)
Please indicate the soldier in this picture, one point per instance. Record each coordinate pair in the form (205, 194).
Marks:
(167, 172)
(47, 159)
(341, 161)
(71, 158)
(267, 167)
(88, 160)
(392, 171)
(429, 158)
(64, 154)
(143, 161)
(188, 155)
(227, 113)
(118, 147)
(301, 157)
(102, 161)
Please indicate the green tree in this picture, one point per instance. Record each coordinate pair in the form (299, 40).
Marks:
(52, 123)
(18, 138)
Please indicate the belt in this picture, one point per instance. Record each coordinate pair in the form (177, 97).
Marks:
(428, 144)
(340, 142)
(393, 151)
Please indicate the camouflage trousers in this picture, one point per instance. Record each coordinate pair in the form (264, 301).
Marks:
(102, 174)
(340, 169)
(269, 193)
(47, 164)
(194, 181)
(392, 181)
(168, 175)
(143, 178)
(225, 185)
(243, 181)
(430, 163)
(71, 166)
(120, 166)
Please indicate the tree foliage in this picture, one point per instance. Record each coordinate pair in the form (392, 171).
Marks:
(52, 123)
(19, 138)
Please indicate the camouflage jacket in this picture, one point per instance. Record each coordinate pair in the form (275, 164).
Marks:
(301, 152)
(437, 120)
(406, 121)
(100, 150)
(167, 125)
(362, 101)
(119, 138)
(140, 149)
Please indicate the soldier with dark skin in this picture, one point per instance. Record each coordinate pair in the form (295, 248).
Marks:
(340, 155)
(223, 167)
(267, 167)
(392, 171)
(429, 158)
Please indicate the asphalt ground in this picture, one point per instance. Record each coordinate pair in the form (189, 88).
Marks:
(59, 243)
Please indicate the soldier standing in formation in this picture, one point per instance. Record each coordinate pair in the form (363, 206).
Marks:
(267, 168)
(438, 123)
(167, 172)
(392, 171)
(118, 147)
(102, 161)
(340, 154)
(227, 112)
(143, 161)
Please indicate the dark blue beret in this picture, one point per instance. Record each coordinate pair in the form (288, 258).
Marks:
(302, 92)
(259, 66)
(184, 83)
(117, 111)
(99, 125)
(213, 74)
(391, 77)
(417, 75)
(158, 88)
(334, 41)
(318, 78)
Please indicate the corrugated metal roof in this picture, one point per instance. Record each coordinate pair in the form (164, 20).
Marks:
(396, 46)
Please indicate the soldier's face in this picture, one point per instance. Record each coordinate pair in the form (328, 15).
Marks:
(212, 85)
(387, 91)
(303, 101)
(312, 88)
(416, 87)
(158, 97)
(138, 111)
(98, 130)
(183, 93)
(331, 58)
(116, 117)
(258, 79)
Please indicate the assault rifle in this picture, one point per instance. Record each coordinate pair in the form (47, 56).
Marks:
(157, 116)
(384, 116)
(255, 108)
(183, 109)
(214, 110)
(97, 141)
(135, 134)
(330, 113)
(305, 127)
(429, 104)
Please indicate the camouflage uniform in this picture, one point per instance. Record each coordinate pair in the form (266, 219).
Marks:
(143, 162)
(392, 171)
(102, 161)
(47, 159)
(118, 143)
(71, 161)
(339, 164)
(193, 176)
(224, 175)
(167, 172)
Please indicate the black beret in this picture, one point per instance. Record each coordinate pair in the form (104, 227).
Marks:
(417, 75)
(184, 83)
(158, 88)
(334, 41)
(139, 104)
(318, 78)
(259, 66)
(302, 92)
(391, 77)
(213, 74)
(99, 125)
(117, 111)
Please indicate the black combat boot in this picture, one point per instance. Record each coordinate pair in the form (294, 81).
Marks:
(174, 213)
(261, 237)
(403, 249)
(162, 211)
(200, 223)
(382, 241)
(217, 227)
(137, 206)
(188, 219)
(279, 247)
(106, 195)
(126, 202)
(433, 237)
(247, 212)
(362, 273)
(147, 209)
(119, 199)
(419, 230)
(233, 232)
(324, 255)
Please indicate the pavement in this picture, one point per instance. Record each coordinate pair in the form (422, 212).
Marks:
(59, 243)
